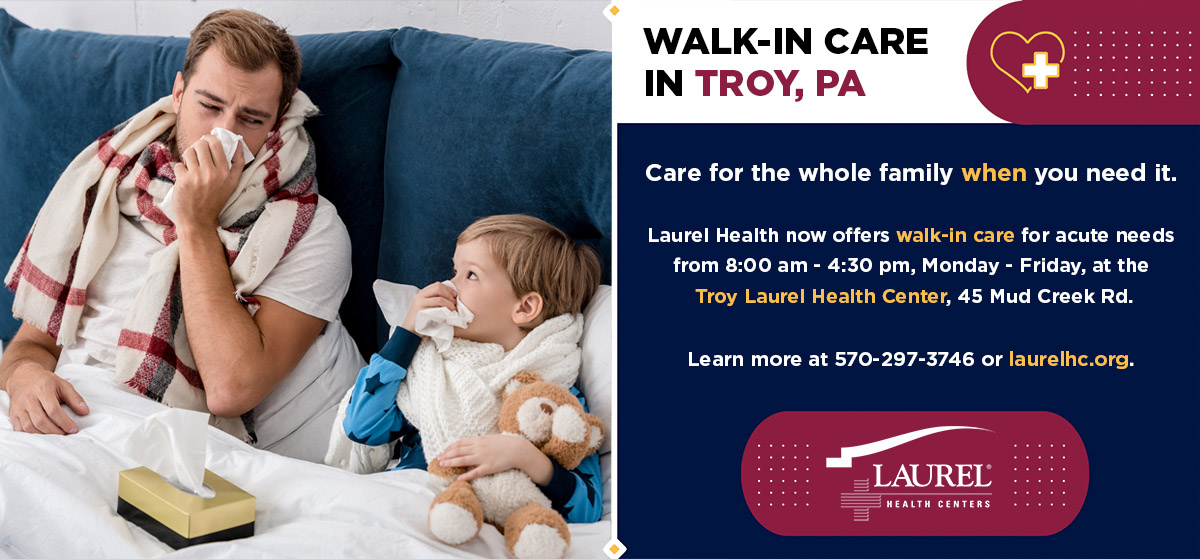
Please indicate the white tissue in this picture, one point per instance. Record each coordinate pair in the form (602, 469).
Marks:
(439, 322)
(394, 300)
(173, 443)
(230, 141)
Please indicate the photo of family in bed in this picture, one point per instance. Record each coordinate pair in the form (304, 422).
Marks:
(378, 260)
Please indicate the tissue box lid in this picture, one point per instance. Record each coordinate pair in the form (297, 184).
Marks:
(188, 515)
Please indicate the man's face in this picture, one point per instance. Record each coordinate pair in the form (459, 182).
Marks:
(219, 95)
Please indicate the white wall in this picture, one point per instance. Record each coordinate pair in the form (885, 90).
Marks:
(572, 24)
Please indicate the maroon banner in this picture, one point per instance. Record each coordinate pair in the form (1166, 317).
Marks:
(914, 473)
(1087, 62)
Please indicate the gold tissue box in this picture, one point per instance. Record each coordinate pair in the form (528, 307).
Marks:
(179, 518)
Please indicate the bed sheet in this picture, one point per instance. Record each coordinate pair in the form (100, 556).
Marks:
(58, 496)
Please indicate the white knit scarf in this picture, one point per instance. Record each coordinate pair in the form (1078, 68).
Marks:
(457, 394)
(128, 172)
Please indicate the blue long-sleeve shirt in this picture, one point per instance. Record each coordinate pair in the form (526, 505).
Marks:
(372, 418)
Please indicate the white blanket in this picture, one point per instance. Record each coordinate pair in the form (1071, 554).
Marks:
(58, 496)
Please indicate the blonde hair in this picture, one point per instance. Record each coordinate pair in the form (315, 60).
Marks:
(249, 42)
(539, 257)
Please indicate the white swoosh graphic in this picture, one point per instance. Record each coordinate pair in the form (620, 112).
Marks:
(849, 453)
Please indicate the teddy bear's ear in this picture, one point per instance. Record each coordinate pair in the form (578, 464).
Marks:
(521, 379)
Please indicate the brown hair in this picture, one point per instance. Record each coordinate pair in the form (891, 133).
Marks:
(249, 42)
(539, 257)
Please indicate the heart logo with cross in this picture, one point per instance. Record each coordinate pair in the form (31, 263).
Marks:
(1041, 66)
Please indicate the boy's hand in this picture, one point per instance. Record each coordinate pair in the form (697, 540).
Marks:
(492, 454)
(434, 295)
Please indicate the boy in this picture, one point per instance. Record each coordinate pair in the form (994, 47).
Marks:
(526, 283)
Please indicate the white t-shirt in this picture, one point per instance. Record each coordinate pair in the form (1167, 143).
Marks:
(313, 278)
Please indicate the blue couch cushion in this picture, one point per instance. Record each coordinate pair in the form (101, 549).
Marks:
(482, 127)
(60, 90)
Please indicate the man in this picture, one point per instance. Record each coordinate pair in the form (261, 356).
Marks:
(202, 282)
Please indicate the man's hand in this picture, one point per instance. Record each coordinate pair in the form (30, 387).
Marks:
(203, 183)
(434, 295)
(492, 454)
(36, 395)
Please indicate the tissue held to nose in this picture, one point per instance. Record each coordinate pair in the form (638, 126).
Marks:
(174, 443)
(439, 322)
(230, 142)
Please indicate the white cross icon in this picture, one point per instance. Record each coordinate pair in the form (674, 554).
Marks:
(1040, 71)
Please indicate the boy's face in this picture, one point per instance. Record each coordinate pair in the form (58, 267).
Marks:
(484, 287)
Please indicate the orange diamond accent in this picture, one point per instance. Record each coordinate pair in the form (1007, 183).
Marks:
(614, 11)
(614, 548)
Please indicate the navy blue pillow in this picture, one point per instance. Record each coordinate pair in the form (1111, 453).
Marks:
(60, 90)
(349, 76)
(482, 127)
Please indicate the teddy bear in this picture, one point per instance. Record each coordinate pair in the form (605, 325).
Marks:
(552, 419)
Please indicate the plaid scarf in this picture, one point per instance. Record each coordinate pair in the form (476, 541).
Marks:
(127, 172)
